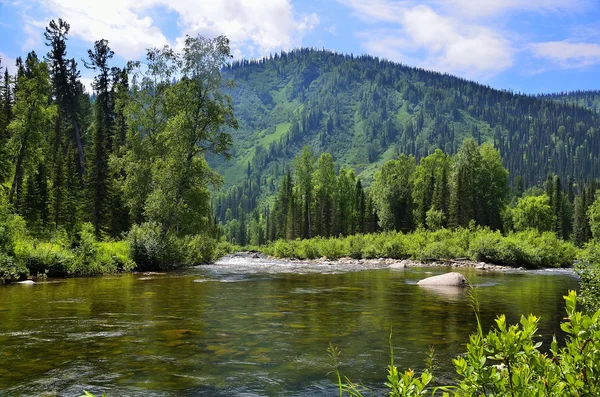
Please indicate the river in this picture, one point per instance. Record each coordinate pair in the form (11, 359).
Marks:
(249, 327)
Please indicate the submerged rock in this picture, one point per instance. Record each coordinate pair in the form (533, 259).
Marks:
(452, 279)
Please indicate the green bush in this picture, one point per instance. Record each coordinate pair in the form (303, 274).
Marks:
(588, 271)
(283, 249)
(198, 250)
(332, 248)
(530, 249)
(356, 246)
(10, 271)
(151, 250)
(114, 256)
(308, 249)
(507, 362)
(50, 259)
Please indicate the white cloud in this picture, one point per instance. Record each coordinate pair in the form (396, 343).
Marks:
(257, 26)
(87, 83)
(8, 63)
(480, 8)
(568, 55)
(433, 41)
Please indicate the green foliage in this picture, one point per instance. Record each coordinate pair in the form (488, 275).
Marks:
(588, 270)
(392, 193)
(593, 213)
(529, 249)
(533, 212)
(151, 249)
(507, 362)
(11, 271)
(167, 175)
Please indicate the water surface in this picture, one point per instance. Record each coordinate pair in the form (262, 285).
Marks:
(248, 327)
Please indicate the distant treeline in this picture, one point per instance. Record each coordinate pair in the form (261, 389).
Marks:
(440, 191)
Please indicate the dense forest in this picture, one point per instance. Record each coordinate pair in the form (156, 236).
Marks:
(81, 173)
(365, 111)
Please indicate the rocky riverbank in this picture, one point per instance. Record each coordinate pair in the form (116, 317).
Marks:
(383, 262)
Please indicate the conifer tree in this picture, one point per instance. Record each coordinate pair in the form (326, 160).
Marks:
(98, 173)
(66, 87)
(32, 118)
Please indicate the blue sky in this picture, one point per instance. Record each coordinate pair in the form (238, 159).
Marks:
(530, 46)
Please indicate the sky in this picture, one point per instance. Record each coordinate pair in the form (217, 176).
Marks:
(529, 46)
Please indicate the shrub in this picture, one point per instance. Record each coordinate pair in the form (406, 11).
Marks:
(588, 270)
(332, 248)
(283, 249)
(507, 362)
(10, 271)
(356, 246)
(50, 259)
(199, 249)
(308, 249)
(151, 250)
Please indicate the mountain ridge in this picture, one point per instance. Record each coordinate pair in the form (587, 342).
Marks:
(365, 110)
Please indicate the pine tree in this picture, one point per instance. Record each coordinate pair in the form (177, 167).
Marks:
(98, 175)
(65, 83)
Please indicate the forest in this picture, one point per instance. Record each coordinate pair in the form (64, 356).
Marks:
(96, 184)
(365, 111)
(172, 159)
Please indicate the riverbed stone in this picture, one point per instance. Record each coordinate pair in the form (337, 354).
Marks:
(452, 279)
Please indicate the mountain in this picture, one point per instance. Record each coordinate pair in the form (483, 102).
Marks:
(587, 99)
(364, 111)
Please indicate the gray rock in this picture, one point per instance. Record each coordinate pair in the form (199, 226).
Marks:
(452, 279)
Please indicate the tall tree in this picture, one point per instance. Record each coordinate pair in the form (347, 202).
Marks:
(492, 188)
(32, 118)
(304, 171)
(98, 175)
(430, 185)
(5, 119)
(466, 167)
(191, 120)
(65, 77)
(392, 193)
(325, 184)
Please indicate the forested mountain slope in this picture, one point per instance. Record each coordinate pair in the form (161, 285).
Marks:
(364, 111)
(587, 99)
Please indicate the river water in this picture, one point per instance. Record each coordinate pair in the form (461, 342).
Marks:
(249, 327)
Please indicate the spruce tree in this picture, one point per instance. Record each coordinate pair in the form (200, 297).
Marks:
(98, 172)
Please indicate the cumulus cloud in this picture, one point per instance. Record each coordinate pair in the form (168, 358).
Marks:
(568, 55)
(256, 26)
(426, 38)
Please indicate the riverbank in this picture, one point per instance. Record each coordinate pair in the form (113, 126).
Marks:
(402, 263)
(472, 246)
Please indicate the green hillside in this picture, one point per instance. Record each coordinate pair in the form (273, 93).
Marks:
(587, 99)
(364, 111)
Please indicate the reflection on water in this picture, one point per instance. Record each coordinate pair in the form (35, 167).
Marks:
(247, 327)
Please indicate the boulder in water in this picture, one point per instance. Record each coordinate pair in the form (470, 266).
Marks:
(452, 279)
